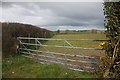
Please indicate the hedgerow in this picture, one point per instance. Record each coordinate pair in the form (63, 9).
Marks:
(111, 62)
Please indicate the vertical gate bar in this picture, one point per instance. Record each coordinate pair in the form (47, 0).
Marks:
(65, 54)
(36, 51)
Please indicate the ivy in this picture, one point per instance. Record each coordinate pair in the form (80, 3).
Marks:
(110, 64)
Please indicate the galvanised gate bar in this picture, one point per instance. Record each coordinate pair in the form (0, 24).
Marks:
(72, 61)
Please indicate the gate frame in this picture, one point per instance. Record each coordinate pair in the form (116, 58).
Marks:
(38, 43)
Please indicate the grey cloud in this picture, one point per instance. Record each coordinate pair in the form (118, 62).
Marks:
(55, 13)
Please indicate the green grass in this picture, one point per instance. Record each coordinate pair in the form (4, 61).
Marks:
(84, 44)
(79, 36)
(22, 67)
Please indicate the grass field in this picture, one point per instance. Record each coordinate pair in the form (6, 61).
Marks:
(84, 44)
(21, 67)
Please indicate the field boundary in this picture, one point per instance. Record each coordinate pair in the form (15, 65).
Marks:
(82, 63)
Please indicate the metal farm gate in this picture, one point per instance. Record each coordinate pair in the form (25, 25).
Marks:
(30, 47)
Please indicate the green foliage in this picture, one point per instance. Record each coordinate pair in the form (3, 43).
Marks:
(112, 23)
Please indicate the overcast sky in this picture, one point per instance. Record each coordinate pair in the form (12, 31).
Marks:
(55, 15)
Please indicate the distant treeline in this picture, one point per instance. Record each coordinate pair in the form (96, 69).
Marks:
(10, 32)
(80, 31)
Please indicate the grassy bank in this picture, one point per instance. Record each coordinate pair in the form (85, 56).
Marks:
(21, 67)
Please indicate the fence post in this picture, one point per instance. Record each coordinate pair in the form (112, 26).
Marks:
(45, 35)
(17, 50)
(29, 37)
(17, 47)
